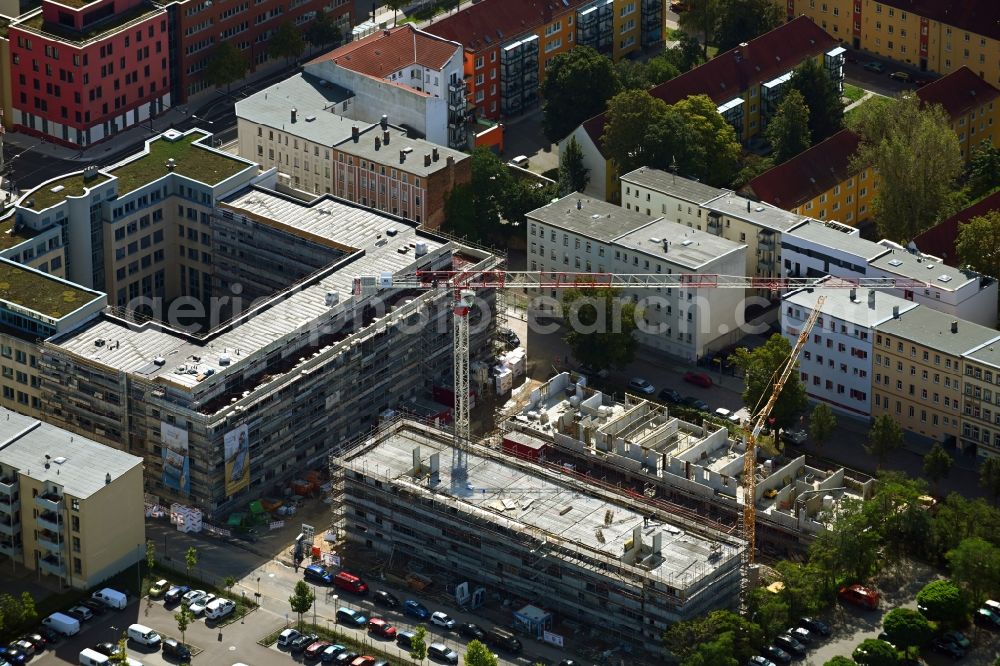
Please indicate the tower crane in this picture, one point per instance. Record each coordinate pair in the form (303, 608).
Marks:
(464, 283)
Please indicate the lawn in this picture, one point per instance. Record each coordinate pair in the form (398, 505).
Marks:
(853, 93)
(194, 161)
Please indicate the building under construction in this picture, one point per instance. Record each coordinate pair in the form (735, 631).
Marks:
(532, 534)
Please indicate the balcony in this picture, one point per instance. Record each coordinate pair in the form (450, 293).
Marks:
(10, 548)
(8, 485)
(50, 521)
(9, 528)
(765, 243)
(714, 225)
(9, 505)
(52, 565)
(50, 541)
(49, 501)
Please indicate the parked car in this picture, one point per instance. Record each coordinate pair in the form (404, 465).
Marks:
(801, 634)
(815, 626)
(670, 395)
(107, 649)
(176, 649)
(509, 338)
(345, 658)
(330, 653)
(790, 644)
(365, 660)
(519, 161)
(696, 403)
(81, 613)
(591, 371)
(777, 655)
(37, 640)
(958, 638)
(351, 617)
(303, 641)
(442, 653)
(404, 639)
(219, 609)
(985, 617)
(387, 599)
(698, 379)
(287, 637)
(50, 635)
(381, 628)
(901, 76)
(795, 437)
(175, 594)
(758, 660)
(948, 648)
(859, 595)
(317, 573)
(442, 620)
(192, 596)
(13, 655)
(873, 66)
(198, 606)
(96, 607)
(471, 631)
(415, 609)
(315, 649)
(641, 385)
(158, 589)
(27, 647)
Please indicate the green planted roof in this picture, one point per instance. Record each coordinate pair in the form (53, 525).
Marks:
(195, 162)
(38, 292)
(9, 237)
(71, 186)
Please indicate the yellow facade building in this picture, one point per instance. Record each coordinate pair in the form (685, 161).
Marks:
(69, 507)
(973, 105)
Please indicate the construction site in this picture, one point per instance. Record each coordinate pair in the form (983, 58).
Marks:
(599, 563)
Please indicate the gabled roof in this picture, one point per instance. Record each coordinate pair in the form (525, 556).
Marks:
(388, 51)
(958, 92)
(729, 74)
(808, 174)
(940, 239)
(490, 23)
(981, 17)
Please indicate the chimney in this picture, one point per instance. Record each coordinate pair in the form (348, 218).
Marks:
(895, 312)
(427, 160)
(402, 156)
(384, 122)
(954, 326)
(450, 161)
(871, 299)
(378, 143)
(854, 294)
(748, 205)
(434, 154)
(294, 113)
(666, 245)
(385, 138)
(579, 204)
(354, 133)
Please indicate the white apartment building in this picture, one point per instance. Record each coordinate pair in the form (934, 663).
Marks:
(835, 365)
(579, 234)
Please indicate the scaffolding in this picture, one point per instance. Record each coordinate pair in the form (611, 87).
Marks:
(595, 26)
(519, 76)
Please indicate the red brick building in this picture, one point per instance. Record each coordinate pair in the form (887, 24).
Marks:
(83, 71)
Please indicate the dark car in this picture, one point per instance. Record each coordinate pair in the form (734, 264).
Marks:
(945, 646)
(789, 644)
(986, 618)
(404, 639)
(777, 655)
(387, 599)
(442, 653)
(345, 658)
(317, 573)
(958, 638)
(873, 66)
(107, 649)
(509, 338)
(174, 594)
(471, 631)
(416, 609)
(330, 653)
(78, 614)
(37, 640)
(303, 641)
(815, 626)
(901, 76)
(670, 395)
(696, 403)
(175, 649)
(15, 655)
(96, 607)
(51, 636)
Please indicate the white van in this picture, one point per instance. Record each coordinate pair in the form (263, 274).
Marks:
(110, 598)
(219, 608)
(62, 623)
(90, 657)
(143, 635)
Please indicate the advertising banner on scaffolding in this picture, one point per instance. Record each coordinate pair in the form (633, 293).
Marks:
(236, 444)
(176, 464)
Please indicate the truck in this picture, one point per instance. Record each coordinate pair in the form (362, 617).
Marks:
(62, 624)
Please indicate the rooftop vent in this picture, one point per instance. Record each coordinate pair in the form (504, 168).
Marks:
(944, 278)
(895, 263)
(171, 164)
(225, 359)
(309, 119)
(59, 460)
(687, 242)
(295, 114)
(159, 361)
(954, 326)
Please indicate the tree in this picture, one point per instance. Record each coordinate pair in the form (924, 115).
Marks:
(474, 210)
(11, 611)
(983, 170)
(150, 556)
(323, 30)
(906, 628)
(577, 86)
(717, 651)
(226, 65)
(937, 465)
(705, 145)
(841, 661)
(743, 20)
(460, 212)
(788, 130)
(477, 654)
(600, 324)
(822, 423)
(29, 614)
(190, 559)
(684, 638)
(632, 75)
(978, 244)
(573, 175)
(975, 565)
(826, 110)
(884, 437)
(661, 69)
(228, 582)
(702, 17)
(120, 655)
(287, 42)
(418, 644)
(686, 54)
(395, 6)
(873, 652)
(917, 157)
(631, 115)
(184, 617)
(761, 367)
(751, 167)
(302, 599)
(769, 611)
(943, 602)
(989, 477)
(521, 196)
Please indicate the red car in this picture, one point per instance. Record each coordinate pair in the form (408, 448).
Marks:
(381, 628)
(698, 379)
(364, 661)
(315, 650)
(859, 596)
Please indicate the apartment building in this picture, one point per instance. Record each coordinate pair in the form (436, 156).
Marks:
(303, 127)
(715, 210)
(82, 72)
(578, 234)
(745, 82)
(973, 105)
(981, 400)
(508, 43)
(197, 28)
(918, 370)
(413, 76)
(533, 533)
(929, 35)
(820, 182)
(835, 365)
(943, 236)
(69, 507)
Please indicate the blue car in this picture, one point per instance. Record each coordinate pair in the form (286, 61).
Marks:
(318, 574)
(416, 609)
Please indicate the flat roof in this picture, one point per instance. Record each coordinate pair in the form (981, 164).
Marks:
(689, 248)
(756, 212)
(360, 231)
(192, 158)
(918, 267)
(77, 464)
(988, 354)
(858, 311)
(594, 218)
(558, 507)
(12, 235)
(674, 185)
(932, 329)
(415, 150)
(52, 192)
(310, 96)
(830, 236)
(130, 17)
(40, 292)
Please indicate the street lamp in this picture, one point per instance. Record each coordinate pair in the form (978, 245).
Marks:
(258, 590)
(336, 620)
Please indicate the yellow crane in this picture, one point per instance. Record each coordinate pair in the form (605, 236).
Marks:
(752, 428)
